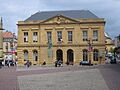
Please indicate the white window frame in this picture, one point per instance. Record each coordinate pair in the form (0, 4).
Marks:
(59, 36)
(95, 35)
(85, 35)
(70, 36)
(49, 36)
(25, 36)
(35, 36)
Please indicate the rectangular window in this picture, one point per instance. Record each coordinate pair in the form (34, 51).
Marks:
(25, 36)
(35, 36)
(70, 36)
(59, 35)
(85, 35)
(49, 37)
(95, 35)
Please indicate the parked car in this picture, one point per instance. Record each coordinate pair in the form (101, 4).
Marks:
(85, 63)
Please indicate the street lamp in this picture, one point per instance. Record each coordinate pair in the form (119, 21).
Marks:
(13, 48)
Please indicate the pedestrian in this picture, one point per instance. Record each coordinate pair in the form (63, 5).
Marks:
(60, 63)
(56, 63)
(44, 63)
(67, 62)
(27, 63)
(3, 63)
(15, 62)
(8, 63)
(0, 63)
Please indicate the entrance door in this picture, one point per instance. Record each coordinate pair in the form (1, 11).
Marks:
(70, 56)
(59, 54)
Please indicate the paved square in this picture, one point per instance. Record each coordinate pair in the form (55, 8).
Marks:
(72, 80)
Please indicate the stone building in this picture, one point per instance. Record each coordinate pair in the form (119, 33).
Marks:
(70, 36)
(117, 41)
(109, 43)
(9, 45)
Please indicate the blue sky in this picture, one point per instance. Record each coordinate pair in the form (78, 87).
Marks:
(13, 11)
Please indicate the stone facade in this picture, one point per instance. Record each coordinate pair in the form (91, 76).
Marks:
(117, 41)
(9, 45)
(109, 43)
(66, 41)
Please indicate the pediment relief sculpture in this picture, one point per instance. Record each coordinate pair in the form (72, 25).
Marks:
(59, 19)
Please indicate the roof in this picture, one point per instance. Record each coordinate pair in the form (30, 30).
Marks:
(75, 14)
(107, 36)
(7, 34)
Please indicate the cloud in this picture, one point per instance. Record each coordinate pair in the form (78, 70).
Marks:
(16, 10)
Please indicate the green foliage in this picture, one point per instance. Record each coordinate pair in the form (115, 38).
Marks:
(112, 50)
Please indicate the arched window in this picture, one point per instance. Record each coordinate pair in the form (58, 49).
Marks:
(35, 55)
(25, 55)
(85, 55)
(95, 55)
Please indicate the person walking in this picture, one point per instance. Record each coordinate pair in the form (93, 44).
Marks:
(0, 63)
(28, 63)
(56, 62)
(8, 63)
(44, 63)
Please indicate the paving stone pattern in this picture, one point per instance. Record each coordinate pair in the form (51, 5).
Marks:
(99, 77)
(77, 80)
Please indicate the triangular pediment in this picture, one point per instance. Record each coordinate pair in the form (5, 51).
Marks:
(59, 19)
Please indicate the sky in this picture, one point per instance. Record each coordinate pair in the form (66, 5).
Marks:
(13, 11)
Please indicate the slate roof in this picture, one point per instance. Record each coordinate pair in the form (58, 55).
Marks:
(75, 14)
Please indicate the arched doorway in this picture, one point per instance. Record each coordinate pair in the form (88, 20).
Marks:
(70, 56)
(59, 54)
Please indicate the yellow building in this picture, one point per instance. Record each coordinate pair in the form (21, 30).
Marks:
(70, 36)
(109, 43)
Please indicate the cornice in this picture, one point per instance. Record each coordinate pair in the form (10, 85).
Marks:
(63, 45)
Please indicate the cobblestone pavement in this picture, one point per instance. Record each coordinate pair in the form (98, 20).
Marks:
(99, 77)
(8, 79)
(77, 80)
(42, 70)
(111, 74)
